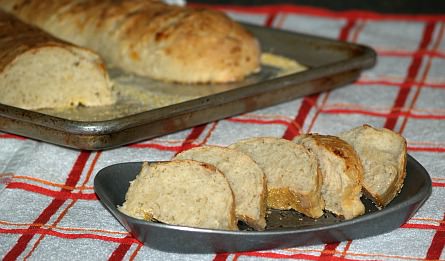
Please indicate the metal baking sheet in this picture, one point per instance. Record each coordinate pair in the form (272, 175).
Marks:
(148, 108)
(284, 228)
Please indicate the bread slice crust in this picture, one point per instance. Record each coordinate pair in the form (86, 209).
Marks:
(293, 176)
(342, 173)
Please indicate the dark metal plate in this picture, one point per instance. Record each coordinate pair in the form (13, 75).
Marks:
(285, 228)
(331, 64)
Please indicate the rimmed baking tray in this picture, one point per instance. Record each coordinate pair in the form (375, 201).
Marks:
(330, 63)
(284, 228)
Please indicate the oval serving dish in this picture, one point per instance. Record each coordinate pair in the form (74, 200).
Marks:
(285, 228)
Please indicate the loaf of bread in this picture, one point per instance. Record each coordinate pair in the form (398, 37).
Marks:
(149, 37)
(383, 155)
(342, 173)
(293, 177)
(39, 71)
(182, 192)
(245, 177)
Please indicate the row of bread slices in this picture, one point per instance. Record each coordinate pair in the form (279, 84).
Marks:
(215, 187)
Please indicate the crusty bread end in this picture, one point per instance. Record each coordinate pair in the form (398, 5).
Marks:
(39, 71)
(383, 154)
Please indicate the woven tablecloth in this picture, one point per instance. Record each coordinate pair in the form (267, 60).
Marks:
(49, 210)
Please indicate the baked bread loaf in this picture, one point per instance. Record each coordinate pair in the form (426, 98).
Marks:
(182, 192)
(245, 177)
(342, 173)
(383, 155)
(149, 37)
(39, 71)
(293, 177)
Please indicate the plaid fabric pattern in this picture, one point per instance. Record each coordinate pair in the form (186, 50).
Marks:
(50, 212)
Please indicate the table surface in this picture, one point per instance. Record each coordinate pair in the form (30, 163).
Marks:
(50, 210)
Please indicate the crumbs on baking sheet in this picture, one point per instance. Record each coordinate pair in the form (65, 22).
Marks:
(285, 65)
(132, 101)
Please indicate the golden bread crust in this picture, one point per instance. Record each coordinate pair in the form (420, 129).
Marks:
(342, 173)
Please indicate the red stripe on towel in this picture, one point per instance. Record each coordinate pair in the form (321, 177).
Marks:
(51, 209)
(411, 75)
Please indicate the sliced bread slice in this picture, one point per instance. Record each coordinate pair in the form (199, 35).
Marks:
(245, 177)
(182, 192)
(342, 173)
(293, 176)
(383, 155)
